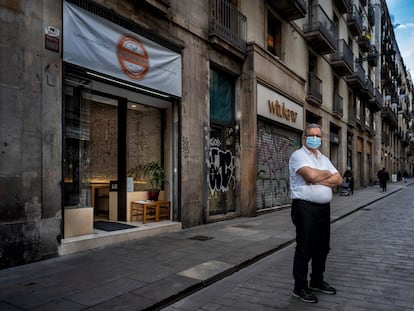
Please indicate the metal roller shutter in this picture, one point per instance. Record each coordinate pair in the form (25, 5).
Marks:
(274, 147)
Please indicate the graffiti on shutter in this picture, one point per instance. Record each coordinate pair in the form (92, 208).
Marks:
(274, 147)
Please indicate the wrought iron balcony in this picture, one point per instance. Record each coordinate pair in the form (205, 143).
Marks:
(319, 31)
(388, 116)
(338, 106)
(371, 15)
(314, 96)
(385, 140)
(354, 21)
(407, 116)
(357, 79)
(364, 42)
(368, 90)
(406, 138)
(343, 6)
(372, 59)
(372, 56)
(289, 9)
(376, 103)
(342, 61)
(227, 28)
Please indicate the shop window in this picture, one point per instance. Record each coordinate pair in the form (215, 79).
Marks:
(107, 141)
(77, 147)
(274, 35)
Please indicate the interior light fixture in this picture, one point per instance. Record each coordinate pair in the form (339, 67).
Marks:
(126, 84)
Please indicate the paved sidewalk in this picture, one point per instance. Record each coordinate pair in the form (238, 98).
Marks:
(152, 272)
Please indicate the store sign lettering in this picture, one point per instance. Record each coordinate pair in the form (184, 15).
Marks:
(281, 111)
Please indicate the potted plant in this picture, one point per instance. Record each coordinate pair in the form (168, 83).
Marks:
(156, 178)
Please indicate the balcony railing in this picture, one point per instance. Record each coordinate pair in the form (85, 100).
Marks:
(338, 106)
(406, 139)
(314, 95)
(372, 56)
(354, 21)
(406, 116)
(357, 79)
(228, 24)
(342, 60)
(371, 15)
(368, 90)
(319, 30)
(364, 42)
(385, 140)
(290, 9)
(388, 115)
(376, 103)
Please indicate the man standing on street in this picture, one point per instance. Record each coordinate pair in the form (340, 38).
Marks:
(312, 177)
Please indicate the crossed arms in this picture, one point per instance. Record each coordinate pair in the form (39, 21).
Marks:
(314, 176)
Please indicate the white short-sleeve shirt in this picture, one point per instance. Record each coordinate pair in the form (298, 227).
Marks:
(298, 187)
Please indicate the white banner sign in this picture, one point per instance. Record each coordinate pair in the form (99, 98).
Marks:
(97, 44)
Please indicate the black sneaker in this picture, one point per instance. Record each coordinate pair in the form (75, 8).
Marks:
(305, 295)
(323, 288)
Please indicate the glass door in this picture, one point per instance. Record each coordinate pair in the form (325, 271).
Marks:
(77, 169)
(91, 150)
(103, 155)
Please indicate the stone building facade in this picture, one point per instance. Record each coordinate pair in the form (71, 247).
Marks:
(218, 92)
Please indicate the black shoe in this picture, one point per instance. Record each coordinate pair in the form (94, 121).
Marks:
(305, 295)
(323, 288)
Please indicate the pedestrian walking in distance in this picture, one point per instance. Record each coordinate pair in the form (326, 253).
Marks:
(405, 176)
(383, 177)
(312, 177)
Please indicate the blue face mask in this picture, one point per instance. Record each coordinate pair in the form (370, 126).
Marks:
(313, 142)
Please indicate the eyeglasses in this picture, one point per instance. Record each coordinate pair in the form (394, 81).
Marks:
(313, 136)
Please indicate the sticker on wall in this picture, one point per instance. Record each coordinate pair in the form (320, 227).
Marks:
(52, 38)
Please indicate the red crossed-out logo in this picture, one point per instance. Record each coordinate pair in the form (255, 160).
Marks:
(133, 57)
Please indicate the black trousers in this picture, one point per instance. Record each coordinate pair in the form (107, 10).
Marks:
(312, 222)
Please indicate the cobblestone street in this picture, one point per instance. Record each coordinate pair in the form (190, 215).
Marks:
(371, 264)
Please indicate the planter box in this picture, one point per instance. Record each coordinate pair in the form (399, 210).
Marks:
(78, 221)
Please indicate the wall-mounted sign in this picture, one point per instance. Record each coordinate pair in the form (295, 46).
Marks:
(52, 38)
(279, 108)
(95, 43)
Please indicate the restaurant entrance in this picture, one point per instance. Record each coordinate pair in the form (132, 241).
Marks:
(107, 141)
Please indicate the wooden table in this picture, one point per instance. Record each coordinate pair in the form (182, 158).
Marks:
(149, 209)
